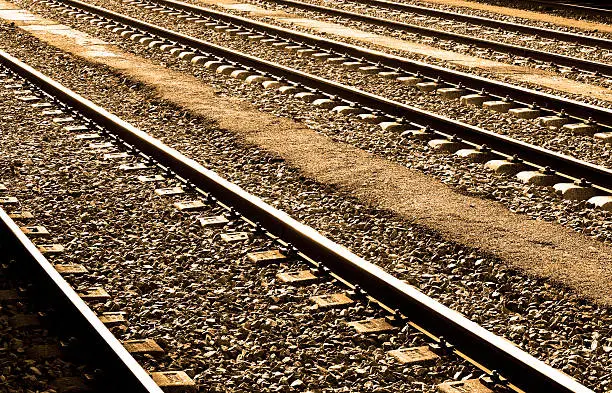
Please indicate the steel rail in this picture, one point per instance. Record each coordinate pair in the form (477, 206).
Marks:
(565, 165)
(520, 368)
(479, 20)
(579, 110)
(549, 57)
(76, 318)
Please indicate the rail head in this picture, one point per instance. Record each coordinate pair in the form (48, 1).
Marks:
(522, 369)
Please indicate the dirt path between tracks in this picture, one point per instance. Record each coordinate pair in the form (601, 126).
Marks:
(540, 248)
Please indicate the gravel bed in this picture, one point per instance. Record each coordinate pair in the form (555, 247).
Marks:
(430, 41)
(548, 320)
(583, 147)
(474, 30)
(22, 370)
(580, 77)
(222, 319)
(511, 19)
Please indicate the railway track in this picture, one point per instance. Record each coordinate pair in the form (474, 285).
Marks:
(548, 104)
(400, 305)
(65, 313)
(510, 49)
(489, 22)
(419, 124)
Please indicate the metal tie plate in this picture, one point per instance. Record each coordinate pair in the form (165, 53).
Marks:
(95, 294)
(297, 278)
(190, 205)
(21, 215)
(380, 325)
(263, 257)
(235, 236)
(50, 248)
(414, 355)
(334, 300)
(113, 318)
(35, 230)
(71, 268)
(169, 191)
(143, 346)
(213, 221)
(174, 381)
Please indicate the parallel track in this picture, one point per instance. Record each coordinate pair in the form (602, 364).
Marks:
(547, 57)
(548, 102)
(500, 144)
(498, 24)
(470, 341)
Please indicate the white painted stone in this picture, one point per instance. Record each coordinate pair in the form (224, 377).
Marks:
(498, 106)
(428, 87)
(553, 121)
(474, 99)
(255, 79)
(409, 80)
(605, 137)
(444, 145)
(272, 85)
(580, 128)
(226, 69)
(525, 113)
(186, 55)
(573, 191)
(450, 93)
(213, 64)
(602, 201)
(325, 103)
(537, 178)
(504, 167)
(348, 110)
